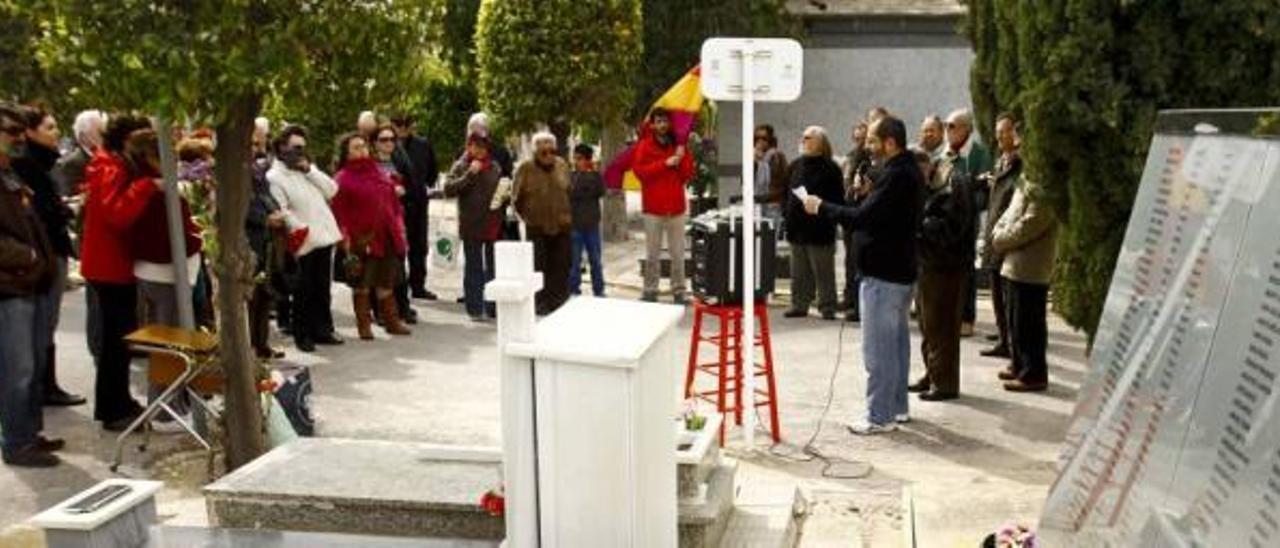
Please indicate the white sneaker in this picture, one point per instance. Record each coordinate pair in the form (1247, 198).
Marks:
(902, 419)
(871, 429)
(170, 426)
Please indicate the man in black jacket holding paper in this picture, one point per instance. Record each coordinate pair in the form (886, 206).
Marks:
(884, 226)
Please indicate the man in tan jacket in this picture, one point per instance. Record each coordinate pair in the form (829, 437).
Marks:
(541, 196)
(1026, 235)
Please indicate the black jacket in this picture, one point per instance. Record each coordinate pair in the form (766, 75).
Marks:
(36, 170)
(261, 206)
(884, 223)
(420, 165)
(587, 189)
(946, 236)
(820, 176)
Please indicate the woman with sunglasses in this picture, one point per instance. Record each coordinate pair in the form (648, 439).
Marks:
(369, 213)
(394, 162)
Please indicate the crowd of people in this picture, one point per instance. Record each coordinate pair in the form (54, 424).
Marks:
(916, 220)
(100, 198)
(919, 220)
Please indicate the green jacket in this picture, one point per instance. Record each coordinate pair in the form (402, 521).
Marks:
(1027, 236)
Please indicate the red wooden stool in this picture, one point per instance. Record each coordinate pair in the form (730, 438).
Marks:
(727, 368)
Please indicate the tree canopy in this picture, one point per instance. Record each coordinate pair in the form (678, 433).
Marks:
(557, 62)
(1087, 78)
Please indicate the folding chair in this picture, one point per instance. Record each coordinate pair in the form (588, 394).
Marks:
(184, 361)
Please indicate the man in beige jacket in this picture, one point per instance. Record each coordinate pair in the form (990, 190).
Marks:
(1026, 235)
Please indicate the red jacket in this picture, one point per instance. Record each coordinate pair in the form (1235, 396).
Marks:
(149, 237)
(112, 205)
(368, 211)
(661, 186)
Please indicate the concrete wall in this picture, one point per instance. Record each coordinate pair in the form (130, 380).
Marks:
(842, 83)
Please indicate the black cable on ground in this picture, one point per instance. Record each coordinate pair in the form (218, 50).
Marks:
(810, 449)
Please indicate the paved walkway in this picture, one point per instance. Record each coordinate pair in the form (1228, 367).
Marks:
(968, 465)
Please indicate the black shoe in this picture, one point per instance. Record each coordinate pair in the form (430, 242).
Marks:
(461, 300)
(995, 352)
(32, 457)
(330, 339)
(829, 315)
(269, 353)
(934, 395)
(305, 345)
(49, 445)
(993, 337)
(1024, 386)
(120, 424)
(796, 314)
(921, 385)
(853, 317)
(57, 397)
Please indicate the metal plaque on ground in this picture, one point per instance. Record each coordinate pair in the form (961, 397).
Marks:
(1176, 433)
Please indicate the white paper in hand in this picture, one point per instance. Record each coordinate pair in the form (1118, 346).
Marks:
(800, 192)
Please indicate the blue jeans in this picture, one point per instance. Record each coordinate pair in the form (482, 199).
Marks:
(24, 340)
(886, 347)
(588, 240)
(478, 271)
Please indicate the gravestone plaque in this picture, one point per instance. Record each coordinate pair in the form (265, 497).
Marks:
(1176, 426)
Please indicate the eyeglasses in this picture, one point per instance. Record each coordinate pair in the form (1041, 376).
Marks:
(386, 139)
(808, 137)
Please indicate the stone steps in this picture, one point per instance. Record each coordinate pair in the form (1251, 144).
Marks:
(703, 524)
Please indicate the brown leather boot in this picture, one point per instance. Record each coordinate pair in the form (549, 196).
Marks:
(391, 316)
(364, 315)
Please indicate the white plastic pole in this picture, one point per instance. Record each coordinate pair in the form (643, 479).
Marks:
(177, 233)
(748, 249)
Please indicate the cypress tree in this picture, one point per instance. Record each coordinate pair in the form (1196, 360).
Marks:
(1088, 78)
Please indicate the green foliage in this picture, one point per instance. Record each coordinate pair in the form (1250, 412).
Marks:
(557, 62)
(442, 112)
(1088, 77)
(458, 37)
(674, 33)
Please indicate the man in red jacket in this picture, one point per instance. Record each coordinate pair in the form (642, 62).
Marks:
(663, 167)
(114, 200)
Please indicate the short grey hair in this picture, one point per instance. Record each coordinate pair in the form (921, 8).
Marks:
(544, 137)
(824, 147)
(262, 125)
(961, 116)
(368, 116)
(478, 122)
(89, 128)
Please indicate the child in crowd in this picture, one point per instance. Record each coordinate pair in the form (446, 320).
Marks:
(587, 189)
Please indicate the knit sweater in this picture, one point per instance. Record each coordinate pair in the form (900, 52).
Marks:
(304, 198)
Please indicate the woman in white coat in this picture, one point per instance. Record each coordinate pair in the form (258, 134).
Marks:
(303, 192)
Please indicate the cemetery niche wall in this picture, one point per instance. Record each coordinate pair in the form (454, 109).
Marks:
(1175, 440)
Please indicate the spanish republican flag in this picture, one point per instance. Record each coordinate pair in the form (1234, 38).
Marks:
(684, 102)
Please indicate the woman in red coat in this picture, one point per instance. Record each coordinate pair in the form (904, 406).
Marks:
(369, 213)
(116, 195)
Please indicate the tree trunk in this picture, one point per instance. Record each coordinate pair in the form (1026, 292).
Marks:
(561, 129)
(235, 270)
